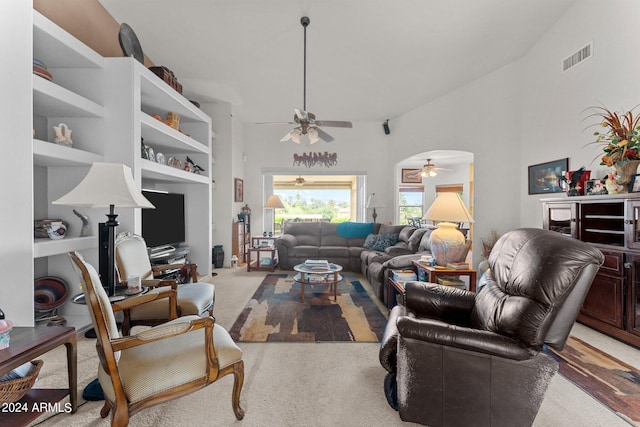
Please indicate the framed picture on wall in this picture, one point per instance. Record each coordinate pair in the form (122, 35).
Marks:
(238, 187)
(411, 176)
(544, 177)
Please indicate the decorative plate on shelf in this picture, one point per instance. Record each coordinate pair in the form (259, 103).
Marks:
(160, 159)
(129, 43)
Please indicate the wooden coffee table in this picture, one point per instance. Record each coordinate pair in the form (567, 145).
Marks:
(307, 275)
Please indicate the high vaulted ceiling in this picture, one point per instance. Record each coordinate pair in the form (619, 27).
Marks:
(367, 60)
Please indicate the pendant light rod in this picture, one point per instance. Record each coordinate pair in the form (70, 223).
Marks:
(305, 22)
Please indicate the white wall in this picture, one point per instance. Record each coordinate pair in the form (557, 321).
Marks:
(363, 149)
(483, 118)
(554, 102)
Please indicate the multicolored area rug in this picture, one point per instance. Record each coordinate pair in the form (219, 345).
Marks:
(276, 313)
(607, 379)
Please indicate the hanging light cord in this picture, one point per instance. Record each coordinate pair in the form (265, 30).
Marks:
(305, 21)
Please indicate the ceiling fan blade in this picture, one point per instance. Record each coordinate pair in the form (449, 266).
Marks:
(324, 136)
(334, 123)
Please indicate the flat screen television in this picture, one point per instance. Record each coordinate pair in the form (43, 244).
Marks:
(164, 225)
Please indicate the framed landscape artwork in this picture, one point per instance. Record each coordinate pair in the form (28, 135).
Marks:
(544, 177)
(238, 187)
(411, 176)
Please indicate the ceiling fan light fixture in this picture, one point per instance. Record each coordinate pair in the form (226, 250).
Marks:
(312, 133)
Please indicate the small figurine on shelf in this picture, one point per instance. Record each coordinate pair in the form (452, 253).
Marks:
(84, 232)
(246, 209)
(62, 135)
(611, 184)
(195, 168)
(173, 120)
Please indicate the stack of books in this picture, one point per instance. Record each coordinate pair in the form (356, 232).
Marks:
(458, 265)
(317, 264)
(403, 275)
(451, 281)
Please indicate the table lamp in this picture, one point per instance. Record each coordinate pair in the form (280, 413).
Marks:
(106, 185)
(448, 244)
(274, 202)
(374, 202)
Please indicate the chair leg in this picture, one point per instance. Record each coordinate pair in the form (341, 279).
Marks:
(238, 380)
(120, 417)
(126, 323)
(106, 408)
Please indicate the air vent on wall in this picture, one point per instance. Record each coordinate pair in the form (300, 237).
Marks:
(577, 57)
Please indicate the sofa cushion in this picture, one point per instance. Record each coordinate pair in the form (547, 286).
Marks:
(390, 229)
(333, 252)
(425, 242)
(414, 241)
(309, 252)
(406, 233)
(306, 233)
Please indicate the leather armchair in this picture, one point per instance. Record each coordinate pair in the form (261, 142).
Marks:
(461, 358)
(192, 298)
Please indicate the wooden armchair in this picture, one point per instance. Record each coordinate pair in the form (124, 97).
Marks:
(159, 364)
(193, 298)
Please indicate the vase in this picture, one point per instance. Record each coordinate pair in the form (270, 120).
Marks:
(56, 230)
(218, 256)
(625, 173)
(447, 243)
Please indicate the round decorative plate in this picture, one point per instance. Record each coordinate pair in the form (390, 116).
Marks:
(129, 43)
(49, 293)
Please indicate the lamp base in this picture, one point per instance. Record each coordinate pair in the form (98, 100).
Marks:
(447, 243)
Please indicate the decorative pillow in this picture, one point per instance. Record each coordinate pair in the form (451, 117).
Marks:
(370, 241)
(384, 241)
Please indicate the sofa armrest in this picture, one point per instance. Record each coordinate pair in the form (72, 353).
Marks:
(395, 251)
(441, 333)
(439, 302)
(287, 240)
(401, 261)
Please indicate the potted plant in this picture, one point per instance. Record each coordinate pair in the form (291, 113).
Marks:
(620, 140)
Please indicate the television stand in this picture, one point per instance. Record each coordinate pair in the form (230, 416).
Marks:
(161, 252)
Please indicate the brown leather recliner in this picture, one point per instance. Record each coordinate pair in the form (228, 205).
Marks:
(461, 358)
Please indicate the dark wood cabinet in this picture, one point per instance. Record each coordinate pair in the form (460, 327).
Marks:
(611, 223)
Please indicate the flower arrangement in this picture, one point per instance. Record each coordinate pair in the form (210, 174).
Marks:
(621, 137)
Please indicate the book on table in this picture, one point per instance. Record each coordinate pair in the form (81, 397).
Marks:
(451, 281)
(317, 264)
(404, 275)
(461, 265)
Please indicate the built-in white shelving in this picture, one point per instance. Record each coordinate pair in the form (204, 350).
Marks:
(167, 139)
(48, 247)
(51, 100)
(165, 173)
(48, 154)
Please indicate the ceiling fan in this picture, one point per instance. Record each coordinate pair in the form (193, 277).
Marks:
(299, 181)
(306, 122)
(429, 170)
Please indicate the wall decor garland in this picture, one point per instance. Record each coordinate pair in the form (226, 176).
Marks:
(325, 159)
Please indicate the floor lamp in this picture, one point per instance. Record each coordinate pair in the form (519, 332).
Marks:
(374, 202)
(274, 202)
(107, 185)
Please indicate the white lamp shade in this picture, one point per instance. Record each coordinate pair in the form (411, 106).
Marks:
(106, 184)
(374, 201)
(274, 202)
(448, 207)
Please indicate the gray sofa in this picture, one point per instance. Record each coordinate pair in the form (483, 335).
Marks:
(320, 240)
(301, 241)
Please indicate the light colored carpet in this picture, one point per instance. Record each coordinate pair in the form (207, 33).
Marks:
(305, 384)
